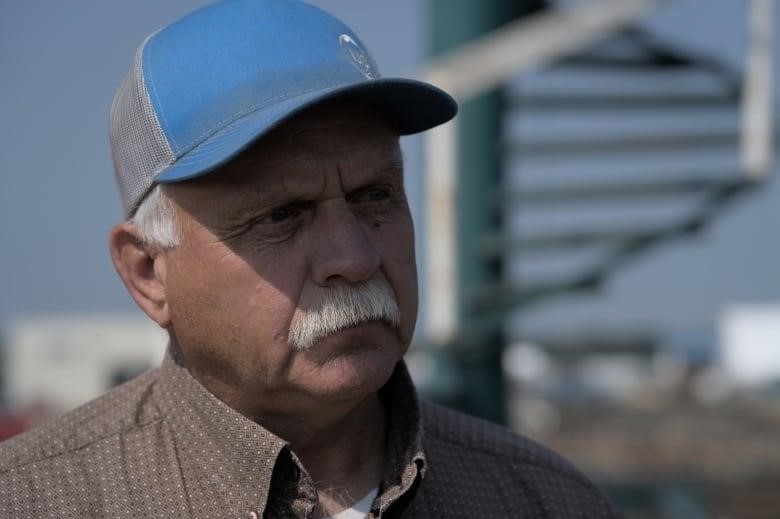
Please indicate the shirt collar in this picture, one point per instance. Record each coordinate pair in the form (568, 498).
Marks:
(404, 456)
(222, 453)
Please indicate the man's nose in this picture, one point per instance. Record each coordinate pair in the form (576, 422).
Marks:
(343, 248)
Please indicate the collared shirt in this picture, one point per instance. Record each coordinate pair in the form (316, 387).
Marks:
(164, 446)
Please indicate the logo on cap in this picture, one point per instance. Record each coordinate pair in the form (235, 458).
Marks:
(359, 57)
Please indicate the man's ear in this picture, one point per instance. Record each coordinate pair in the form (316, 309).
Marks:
(142, 271)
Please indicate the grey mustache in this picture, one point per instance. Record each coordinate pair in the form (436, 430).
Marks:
(341, 307)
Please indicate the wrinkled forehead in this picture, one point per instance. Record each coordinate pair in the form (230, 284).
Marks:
(341, 126)
(357, 139)
(351, 130)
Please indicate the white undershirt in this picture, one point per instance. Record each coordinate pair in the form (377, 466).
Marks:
(359, 509)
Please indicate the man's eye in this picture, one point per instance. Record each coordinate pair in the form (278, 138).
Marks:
(281, 214)
(375, 195)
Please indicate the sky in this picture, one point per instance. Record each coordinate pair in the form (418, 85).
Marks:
(62, 61)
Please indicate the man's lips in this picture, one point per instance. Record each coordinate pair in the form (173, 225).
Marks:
(356, 332)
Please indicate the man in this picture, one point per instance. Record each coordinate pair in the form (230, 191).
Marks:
(256, 153)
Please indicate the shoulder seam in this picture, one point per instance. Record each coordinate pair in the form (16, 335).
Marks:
(82, 446)
(64, 450)
(559, 470)
(589, 487)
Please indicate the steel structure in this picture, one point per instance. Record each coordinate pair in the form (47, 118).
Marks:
(480, 49)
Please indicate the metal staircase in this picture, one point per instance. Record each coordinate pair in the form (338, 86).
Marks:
(584, 143)
(644, 116)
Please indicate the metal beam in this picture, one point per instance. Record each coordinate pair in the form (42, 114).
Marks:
(618, 190)
(757, 146)
(483, 64)
(498, 245)
(441, 293)
(567, 102)
(665, 142)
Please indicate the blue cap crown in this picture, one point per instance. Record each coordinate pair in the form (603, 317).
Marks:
(204, 88)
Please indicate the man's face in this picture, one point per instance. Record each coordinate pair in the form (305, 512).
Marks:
(317, 204)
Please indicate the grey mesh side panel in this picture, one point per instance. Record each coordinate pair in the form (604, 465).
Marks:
(138, 145)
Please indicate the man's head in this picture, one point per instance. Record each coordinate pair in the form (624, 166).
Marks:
(203, 88)
(268, 228)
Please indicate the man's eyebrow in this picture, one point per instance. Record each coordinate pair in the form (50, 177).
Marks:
(391, 172)
(248, 204)
(251, 201)
(392, 166)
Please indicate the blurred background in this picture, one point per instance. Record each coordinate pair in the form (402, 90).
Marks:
(597, 236)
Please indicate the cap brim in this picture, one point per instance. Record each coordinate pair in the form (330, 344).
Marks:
(412, 105)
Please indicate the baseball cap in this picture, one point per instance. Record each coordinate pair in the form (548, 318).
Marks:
(204, 88)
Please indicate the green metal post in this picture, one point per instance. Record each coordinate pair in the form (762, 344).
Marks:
(452, 23)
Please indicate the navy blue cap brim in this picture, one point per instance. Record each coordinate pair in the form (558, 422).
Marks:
(413, 106)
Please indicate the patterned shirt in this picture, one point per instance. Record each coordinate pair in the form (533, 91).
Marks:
(164, 446)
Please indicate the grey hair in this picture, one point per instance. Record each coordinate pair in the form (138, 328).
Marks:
(156, 220)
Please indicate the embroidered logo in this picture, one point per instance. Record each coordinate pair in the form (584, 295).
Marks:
(359, 57)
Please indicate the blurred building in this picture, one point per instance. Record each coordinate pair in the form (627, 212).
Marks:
(55, 363)
(750, 344)
(669, 432)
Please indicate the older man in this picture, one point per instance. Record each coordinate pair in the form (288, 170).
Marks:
(256, 152)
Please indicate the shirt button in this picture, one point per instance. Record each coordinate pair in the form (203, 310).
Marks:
(252, 515)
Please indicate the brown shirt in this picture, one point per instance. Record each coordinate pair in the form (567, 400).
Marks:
(163, 446)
